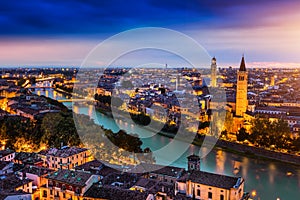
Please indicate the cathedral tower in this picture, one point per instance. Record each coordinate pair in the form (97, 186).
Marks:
(241, 89)
(213, 72)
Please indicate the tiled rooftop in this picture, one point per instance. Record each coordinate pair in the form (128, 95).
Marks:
(210, 179)
(91, 166)
(6, 152)
(146, 183)
(11, 181)
(36, 170)
(27, 158)
(113, 193)
(3, 164)
(160, 169)
(7, 193)
(64, 152)
(77, 178)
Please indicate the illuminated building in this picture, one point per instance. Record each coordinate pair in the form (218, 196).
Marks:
(241, 90)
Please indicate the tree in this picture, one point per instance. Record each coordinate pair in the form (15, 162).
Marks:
(267, 133)
(59, 128)
(21, 82)
(224, 134)
(242, 135)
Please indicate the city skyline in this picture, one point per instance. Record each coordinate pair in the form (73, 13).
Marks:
(63, 34)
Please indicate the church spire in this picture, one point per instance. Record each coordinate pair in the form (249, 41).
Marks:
(243, 65)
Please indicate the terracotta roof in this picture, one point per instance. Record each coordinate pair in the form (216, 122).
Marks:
(214, 180)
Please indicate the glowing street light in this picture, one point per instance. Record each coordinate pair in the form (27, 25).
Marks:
(253, 193)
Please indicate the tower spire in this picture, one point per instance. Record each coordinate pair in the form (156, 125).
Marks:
(243, 65)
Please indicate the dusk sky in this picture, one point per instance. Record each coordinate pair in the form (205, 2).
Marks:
(45, 32)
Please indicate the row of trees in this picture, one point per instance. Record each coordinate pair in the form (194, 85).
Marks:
(109, 100)
(22, 134)
(270, 134)
(55, 129)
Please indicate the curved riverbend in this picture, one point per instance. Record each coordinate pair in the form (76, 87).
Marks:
(270, 179)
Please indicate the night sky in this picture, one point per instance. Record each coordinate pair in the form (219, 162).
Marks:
(52, 32)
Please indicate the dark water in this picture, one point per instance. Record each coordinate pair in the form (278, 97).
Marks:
(271, 180)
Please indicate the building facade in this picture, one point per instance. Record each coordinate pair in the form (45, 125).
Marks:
(67, 184)
(64, 158)
(197, 184)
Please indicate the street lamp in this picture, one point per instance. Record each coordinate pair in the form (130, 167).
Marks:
(254, 193)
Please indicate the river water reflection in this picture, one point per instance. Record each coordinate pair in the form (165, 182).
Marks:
(269, 179)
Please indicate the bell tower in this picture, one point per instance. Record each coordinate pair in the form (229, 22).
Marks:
(193, 163)
(213, 68)
(241, 90)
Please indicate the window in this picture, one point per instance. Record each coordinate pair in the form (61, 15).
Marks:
(209, 195)
(50, 183)
(221, 197)
(198, 192)
(51, 192)
(44, 193)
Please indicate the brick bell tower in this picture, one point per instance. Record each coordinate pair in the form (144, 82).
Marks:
(241, 90)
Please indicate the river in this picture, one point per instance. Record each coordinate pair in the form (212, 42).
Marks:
(269, 179)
